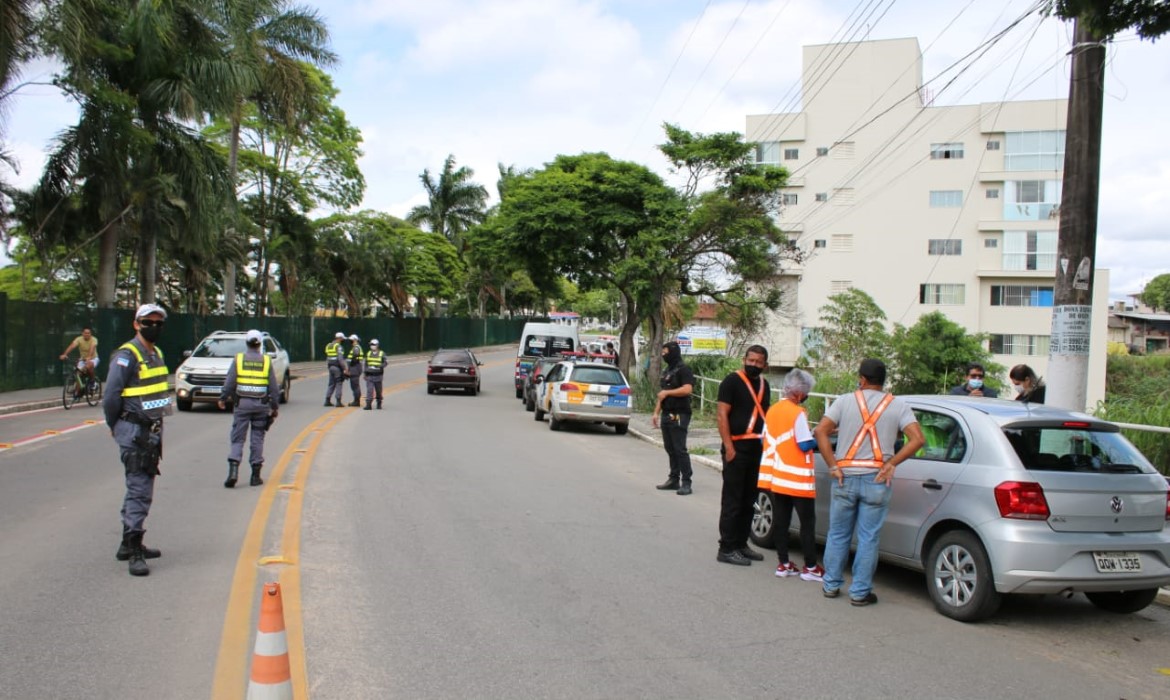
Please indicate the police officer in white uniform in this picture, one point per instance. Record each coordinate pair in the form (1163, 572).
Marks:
(251, 385)
(137, 397)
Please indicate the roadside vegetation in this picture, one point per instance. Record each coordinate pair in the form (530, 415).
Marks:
(1137, 390)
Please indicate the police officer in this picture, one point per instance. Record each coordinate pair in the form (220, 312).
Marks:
(354, 357)
(333, 362)
(375, 361)
(251, 386)
(136, 399)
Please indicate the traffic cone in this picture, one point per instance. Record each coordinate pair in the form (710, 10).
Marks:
(271, 678)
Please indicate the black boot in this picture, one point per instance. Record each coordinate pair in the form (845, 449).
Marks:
(256, 480)
(124, 548)
(355, 402)
(379, 404)
(233, 473)
(684, 489)
(368, 407)
(671, 484)
(137, 556)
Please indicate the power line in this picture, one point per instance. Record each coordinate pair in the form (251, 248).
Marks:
(712, 57)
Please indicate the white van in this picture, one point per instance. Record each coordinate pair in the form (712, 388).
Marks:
(542, 340)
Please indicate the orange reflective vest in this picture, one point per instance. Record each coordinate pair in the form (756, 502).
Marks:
(785, 468)
(868, 428)
(757, 411)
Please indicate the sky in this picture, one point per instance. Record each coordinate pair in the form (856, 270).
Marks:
(517, 82)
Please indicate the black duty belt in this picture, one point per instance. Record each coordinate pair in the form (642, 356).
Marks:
(136, 419)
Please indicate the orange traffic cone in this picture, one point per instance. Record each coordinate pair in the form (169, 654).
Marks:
(271, 678)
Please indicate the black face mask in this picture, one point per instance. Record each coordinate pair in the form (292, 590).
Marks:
(673, 354)
(752, 371)
(150, 334)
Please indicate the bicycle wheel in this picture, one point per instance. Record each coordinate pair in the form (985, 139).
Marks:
(69, 392)
(93, 392)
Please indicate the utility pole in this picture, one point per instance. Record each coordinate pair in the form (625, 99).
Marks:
(1068, 359)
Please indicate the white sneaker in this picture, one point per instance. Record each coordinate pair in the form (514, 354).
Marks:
(787, 569)
(815, 573)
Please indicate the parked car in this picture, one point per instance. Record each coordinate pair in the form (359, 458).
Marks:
(584, 392)
(453, 369)
(537, 370)
(200, 378)
(539, 340)
(1008, 497)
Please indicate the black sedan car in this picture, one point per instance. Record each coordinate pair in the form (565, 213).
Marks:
(453, 369)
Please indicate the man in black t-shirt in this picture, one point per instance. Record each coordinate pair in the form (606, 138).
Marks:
(674, 406)
(744, 397)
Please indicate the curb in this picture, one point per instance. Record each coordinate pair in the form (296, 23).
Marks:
(30, 406)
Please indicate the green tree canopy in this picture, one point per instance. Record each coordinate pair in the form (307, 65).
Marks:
(852, 329)
(1156, 293)
(932, 356)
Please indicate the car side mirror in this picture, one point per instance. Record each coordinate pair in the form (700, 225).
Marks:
(186, 354)
(538, 379)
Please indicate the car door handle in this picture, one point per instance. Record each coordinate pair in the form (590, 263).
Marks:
(932, 484)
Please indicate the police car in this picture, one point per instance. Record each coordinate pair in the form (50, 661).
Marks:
(584, 392)
(201, 376)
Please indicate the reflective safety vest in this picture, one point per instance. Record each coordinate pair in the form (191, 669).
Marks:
(331, 351)
(785, 468)
(354, 354)
(750, 433)
(868, 429)
(374, 360)
(149, 385)
(252, 376)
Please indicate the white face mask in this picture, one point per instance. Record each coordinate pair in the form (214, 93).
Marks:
(1019, 388)
(975, 383)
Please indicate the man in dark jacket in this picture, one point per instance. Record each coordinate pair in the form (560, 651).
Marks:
(674, 406)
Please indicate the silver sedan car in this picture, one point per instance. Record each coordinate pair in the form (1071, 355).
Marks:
(1008, 497)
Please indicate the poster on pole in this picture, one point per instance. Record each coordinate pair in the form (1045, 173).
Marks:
(1070, 329)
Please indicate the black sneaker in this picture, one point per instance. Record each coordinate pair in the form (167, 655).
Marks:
(733, 557)
(668, 485)
(750, 553)
(869, 599)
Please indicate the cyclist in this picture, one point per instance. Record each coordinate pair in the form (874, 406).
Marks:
(86, 345)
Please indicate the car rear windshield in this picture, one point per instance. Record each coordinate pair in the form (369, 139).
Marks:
(597, 375)
(450, 358)
(547, 345)
(1077, 449)
(220, 347)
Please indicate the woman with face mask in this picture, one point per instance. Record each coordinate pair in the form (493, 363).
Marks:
(1028, 386)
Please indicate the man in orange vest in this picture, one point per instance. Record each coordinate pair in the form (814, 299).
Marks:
(867, 423)
(744, 396)
(787, 471)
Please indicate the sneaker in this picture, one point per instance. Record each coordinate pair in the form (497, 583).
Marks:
(815, 573)
(733, 557)
(787, 569)
(751, 553)
(869, 599)
(830, 592)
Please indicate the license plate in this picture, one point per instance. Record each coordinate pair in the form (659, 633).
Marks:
(1117, 562)
(592, 400)
(451, 370)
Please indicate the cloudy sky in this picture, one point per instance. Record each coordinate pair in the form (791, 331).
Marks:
(519, 81)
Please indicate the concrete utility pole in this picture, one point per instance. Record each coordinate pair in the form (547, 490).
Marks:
(1068, 359)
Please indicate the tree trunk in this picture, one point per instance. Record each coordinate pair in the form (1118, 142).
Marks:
(1068, 360)
(147, 264)
(229, 270)
(657, 333)
(107, 276)
(626, 354)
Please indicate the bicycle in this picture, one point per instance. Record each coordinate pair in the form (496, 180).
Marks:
(79, 385)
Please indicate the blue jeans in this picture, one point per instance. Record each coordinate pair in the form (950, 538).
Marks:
(859, 504)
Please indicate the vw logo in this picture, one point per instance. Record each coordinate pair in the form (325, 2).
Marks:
(1116, 505)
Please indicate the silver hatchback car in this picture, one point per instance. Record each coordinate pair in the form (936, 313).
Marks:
(1008, 497)
(583, 392)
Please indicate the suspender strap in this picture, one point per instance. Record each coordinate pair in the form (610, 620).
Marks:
(757, 410)
(868, 429)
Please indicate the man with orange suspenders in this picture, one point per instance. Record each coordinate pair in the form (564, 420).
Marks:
(744, 396)
(867, 423)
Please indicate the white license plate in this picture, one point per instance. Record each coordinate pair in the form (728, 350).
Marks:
(451, 370)
(1117, 562)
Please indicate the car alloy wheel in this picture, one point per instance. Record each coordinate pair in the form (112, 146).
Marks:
(960, 581)
(763, 520)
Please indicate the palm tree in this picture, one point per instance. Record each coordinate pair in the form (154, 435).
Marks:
(15, 38)
(270, 38)
(454, 205)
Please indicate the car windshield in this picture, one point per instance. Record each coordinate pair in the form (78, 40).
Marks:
(598, 375)
(547, 345)
(219, 347)
(450, 358)
(1078, 448)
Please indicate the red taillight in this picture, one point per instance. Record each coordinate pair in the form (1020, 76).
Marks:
(624, 391)
(1168, 506)
(1022, 500)
(430, 369)
(471, 371)
(1075, 424)
(569, 386)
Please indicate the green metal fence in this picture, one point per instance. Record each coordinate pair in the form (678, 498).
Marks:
(33, 334)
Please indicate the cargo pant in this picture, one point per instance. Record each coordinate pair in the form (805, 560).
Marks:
(249, 414)
(336, 381)
(355, 381)
(139, 480)
(373, 385)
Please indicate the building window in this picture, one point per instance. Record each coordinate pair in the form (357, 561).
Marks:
(843, 197)
(822, 196)
(993, 193)
(788, 200)
(822, 151)
(1020, 295)
(944, 246)
(768, 152)
(946, 151)
(993, 145)
(791, 154)
(819, 243)
(1029, 250)
(1019, 344)
(946, 198)
(841, 242)
(1034, 150)
(990, 242)
(942, 294)
(1031, 200)
(839, 286)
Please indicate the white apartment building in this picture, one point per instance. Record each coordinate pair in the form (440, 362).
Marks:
(925, 208)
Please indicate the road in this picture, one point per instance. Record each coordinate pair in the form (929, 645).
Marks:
(451, 547)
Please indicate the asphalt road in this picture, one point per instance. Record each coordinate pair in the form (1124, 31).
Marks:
(451, 547)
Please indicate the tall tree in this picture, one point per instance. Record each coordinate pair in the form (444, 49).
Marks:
(932, 356)
(454, 203)
(1156, 293)
(15, 45)
(852, 328)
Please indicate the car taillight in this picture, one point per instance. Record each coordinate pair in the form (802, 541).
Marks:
(624, 391)
(471, 371)
(569, 386)
(1168, 505)
(1021, 500)
(430, 369)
